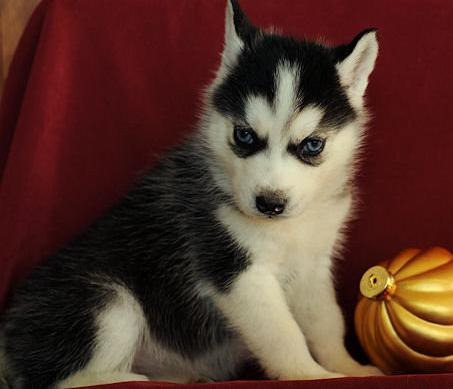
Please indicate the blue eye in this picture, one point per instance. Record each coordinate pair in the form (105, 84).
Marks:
(311, 147)
(244, 136)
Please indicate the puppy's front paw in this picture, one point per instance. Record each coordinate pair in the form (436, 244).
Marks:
(326, 375)
(318, 375)
(366, 370)
(352, 368)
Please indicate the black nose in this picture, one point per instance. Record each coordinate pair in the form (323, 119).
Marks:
(270, 204)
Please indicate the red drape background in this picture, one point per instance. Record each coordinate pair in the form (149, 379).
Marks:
(98, 88)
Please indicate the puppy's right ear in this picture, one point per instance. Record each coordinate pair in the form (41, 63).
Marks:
(355, 62)
(239, 32)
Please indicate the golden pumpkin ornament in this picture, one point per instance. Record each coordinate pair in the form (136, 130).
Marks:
(404, 318)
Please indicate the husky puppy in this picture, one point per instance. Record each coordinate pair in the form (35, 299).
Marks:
(223, 251)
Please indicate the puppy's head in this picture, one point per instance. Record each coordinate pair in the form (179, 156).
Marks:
(285, 117)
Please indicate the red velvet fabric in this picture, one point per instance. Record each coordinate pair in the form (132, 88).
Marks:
(98, 88)
(439, 381)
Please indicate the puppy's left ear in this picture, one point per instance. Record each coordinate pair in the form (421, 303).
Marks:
(355, 62)
(240, 33)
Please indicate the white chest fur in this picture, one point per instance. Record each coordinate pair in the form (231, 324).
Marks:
(294, 247)
(284, 302)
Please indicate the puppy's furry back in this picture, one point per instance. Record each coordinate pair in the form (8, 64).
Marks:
(159, 242)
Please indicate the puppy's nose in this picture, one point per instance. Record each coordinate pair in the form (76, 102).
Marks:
(270, 204)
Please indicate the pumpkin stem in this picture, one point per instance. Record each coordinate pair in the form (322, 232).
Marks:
(377, 283)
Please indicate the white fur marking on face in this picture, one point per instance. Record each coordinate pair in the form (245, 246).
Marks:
(287, 80)
(305, 123)
(259, 115)
(271, 119)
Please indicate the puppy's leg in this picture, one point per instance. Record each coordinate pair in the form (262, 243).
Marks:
(255, 305)
(321, 320)
(87, 378)
(121, 327)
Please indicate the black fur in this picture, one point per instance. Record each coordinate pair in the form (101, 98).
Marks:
(319, 85)
(158, 244)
